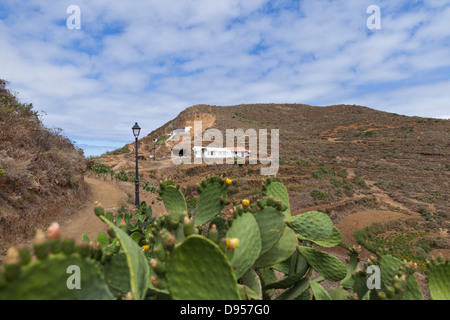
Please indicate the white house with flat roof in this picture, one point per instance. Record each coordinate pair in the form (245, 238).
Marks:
(223, 153)
(182, 130)
(240, 152)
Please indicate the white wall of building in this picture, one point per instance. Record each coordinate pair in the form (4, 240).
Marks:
(211, 152)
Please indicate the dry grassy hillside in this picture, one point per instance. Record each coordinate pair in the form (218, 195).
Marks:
(371, 171)
(41, 172)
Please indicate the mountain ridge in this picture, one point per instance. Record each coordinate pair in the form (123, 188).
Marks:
(341, 159)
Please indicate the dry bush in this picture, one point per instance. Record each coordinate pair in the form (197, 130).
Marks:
(41, 170)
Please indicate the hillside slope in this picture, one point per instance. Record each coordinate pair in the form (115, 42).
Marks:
(41, 172)
(339, 159)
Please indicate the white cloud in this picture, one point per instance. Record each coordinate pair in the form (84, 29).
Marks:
(148, 60)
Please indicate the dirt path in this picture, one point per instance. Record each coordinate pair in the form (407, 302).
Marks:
(109, 194)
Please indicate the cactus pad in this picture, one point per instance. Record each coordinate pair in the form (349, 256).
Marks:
(318, 291)
(389, 267)
(115, 276)
(139, 268)
(281, 251)
(47, 280)
(328, 266)
(198, 270)
(209, 203)
(271, 226)
(102, 238)
(412, 291)
(173, 199)
(296, 292)
(276, 189)
(246, 229)
(352, 268)
(439, 282)
(313, 225)
(333, 240)
(250, 279)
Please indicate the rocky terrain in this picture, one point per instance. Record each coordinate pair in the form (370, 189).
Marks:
(381, 177)
(374, 172)
(41, 172)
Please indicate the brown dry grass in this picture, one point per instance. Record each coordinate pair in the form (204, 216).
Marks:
(41, 171)
(403, 161)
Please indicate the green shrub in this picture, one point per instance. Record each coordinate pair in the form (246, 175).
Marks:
(101, 169)
(335, 182)
(162, 140)
(343, 173)
(359, 181)
(318, 195)
(122, 176)
(303, 163)
(322, 173)
(348, 189)
(151, 188)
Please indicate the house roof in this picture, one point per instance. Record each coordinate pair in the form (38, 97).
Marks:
(237, 149)
(209, 148)
(233, 149)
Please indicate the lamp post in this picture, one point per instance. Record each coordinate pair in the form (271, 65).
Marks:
(136, 130)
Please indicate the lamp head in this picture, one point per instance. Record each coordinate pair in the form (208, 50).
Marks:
(136, 130)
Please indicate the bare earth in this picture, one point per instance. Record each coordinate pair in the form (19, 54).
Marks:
(112, 195)
(109, 194)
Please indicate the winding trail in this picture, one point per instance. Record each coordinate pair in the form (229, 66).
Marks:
(109, 194)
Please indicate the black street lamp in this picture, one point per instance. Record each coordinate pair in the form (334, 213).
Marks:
(136, 130)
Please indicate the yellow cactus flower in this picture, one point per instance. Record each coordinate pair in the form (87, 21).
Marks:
(228, 181)
(145, 248)
(245, 202)
(232, 243)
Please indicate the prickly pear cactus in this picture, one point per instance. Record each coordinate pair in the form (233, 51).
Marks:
(51, 279)
(281, 251)
(389, 266)
(116, 274)
(398, 280)
(352, 267)
(170, 193)
(204, 255)
(56, 269)
(439, 281)
(312, 226)
(138, 267)
(271, 225)
(245, 228)
(197, 269)
(333, 239)
(275, 189)
(326, 265)
(319, 292)
(212, 199)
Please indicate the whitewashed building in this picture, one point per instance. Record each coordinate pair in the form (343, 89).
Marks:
(222, 153)
(182, 130)
(240, 152)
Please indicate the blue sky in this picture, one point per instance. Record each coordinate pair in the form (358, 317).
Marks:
(147, 61)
